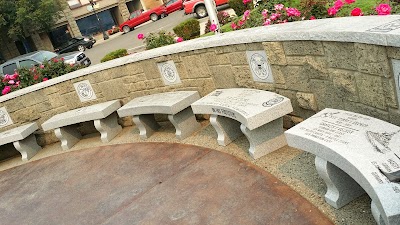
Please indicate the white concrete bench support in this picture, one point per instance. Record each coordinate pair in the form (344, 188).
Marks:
(103, 115)
(255, 113)
(227, 129)
(265, 139)
(175, 104)
(354, 153)
(23, 140)
(146, 124)
(341, 188)
(108, 127)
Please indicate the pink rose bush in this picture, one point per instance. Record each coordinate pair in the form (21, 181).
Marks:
(383, 9)
(25, 77)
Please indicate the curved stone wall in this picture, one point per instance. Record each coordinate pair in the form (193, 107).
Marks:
(343, 63)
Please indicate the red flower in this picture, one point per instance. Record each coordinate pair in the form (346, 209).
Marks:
(356, 12)
(35, 77)
(45, 79)
(313, 18)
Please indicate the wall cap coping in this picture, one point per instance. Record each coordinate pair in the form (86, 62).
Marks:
(376, 30)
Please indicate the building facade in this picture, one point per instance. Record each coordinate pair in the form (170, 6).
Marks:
(77, 19)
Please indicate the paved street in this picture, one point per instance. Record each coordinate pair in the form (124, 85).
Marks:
(129, 41)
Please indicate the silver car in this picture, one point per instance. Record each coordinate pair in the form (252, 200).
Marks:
(38, 57)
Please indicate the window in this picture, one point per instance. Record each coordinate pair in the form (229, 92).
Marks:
(43, 55)
(27, 63)
(135, 14)
(9, 69)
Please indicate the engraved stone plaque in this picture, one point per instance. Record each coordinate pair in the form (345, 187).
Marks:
(85, 91)
(169, 73)
(259, 66)
(5, 118)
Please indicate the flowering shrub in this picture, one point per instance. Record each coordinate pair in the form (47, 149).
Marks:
(313, 9)
(162, 38)
(114, 54)
(25, 77)
(223, 18)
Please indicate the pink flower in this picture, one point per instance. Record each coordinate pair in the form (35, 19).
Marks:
(17, 84)
(338, 4)
(234, 26)
(140, 36)
(71, 64)
(332, 11)
(45, 79)
(41, 66)
(35, 77)
(279, 6)
(62, 59)
(55, 60)
(6, 90)
(275, 16)
(213, 27)
(383, 9)
(246, 1)
(349, 1)
(246, 14)
(293, 12)
(179, 39)
(267, 22)
(11, 82)
(312, 18)
(240, 23)
(264, 13)
(356, 12)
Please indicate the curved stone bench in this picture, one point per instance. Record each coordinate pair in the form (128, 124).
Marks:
(104, 117)
(175, 104)
(256, 113)
(23, 140)
(353, 153)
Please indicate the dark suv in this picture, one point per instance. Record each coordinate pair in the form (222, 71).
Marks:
(76, 44)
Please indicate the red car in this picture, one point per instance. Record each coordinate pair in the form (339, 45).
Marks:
(173, 5)
(138, 17)
(198, 7)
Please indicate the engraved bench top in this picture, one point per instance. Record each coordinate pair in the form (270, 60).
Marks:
(88, 113)
(165, 103)
(18, 133)
(251, 107)
(357, 144)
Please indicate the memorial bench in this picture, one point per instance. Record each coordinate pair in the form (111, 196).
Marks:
(255, 113)
(105, 121)
(175, 104)
(354, 154)
(23, 140)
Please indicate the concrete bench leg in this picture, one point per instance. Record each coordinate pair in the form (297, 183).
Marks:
(185, 123)
(68, 136)
(341, 188)
(266, 138)
(28, 147)
(108, 127)
(147, 125)
(377, 214)
(227, 129)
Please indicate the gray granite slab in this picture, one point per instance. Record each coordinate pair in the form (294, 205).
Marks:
(163, 103)
(358, 145)
(251, 107)
(17, 133)
(93, 112)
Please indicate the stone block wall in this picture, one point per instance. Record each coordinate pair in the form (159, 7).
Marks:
(313, 74)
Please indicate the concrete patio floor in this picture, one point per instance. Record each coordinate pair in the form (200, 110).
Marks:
(158, 182)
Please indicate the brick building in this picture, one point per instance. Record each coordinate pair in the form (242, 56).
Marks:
(77, 19)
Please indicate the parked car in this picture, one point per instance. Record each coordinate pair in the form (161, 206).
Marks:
(76, 44)
(173, 5)
(38, 57)
(138, 17)
(198, 7)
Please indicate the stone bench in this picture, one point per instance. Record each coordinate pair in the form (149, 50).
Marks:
(104, 117)
(175, 104)
(255, 113)
(353, 154)
(23, 140)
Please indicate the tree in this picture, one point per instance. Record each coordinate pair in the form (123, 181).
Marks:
(20, 18)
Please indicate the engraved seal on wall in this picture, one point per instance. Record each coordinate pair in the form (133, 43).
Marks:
(168, 72)
(259, 66)
(85, 91)
(3, 118)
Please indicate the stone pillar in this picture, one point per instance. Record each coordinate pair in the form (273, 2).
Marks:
(74, 29)
(123, 9)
